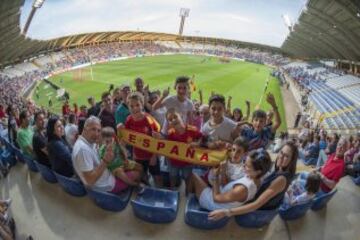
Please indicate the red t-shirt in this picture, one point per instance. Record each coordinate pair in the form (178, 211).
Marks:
(333, 170)
(66, 109)
(146, 125)
(191, 134)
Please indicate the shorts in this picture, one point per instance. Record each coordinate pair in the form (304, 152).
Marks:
(179, 172)
(153, 170)
(120, 185)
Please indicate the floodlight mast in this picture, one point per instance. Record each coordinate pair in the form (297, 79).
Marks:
(36, 4)
(184, 13)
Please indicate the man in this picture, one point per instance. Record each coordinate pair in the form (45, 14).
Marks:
(122, 111)
(116, 97)
(39, 140)
(89, 167)
(66, 108)
(139, 85)
(334, 168)
(94, 108)
(25, 134)
(106, 114)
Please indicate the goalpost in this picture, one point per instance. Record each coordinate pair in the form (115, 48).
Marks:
(82, 74)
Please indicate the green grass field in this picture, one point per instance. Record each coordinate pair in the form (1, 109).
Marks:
(241, 80)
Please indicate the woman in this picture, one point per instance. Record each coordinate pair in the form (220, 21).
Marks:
(58, 149)
(272, 190)
(236, 192)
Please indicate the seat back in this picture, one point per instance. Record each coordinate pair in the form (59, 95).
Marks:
(46, 172)
(256, 219)
(356, 180)
(197, 217)
(156, 205)
(321, 201)
(30, 163)
(110, 201)
(295, 212)
(71, 185)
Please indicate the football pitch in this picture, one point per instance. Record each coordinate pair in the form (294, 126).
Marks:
(240, 80)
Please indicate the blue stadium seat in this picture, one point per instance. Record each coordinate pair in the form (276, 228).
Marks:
(72, 186)
(7, 144)
(8, 157)
(321, 201)
(197, 217)
(256, 219)
(156, 205)
(356, 180)
(294, 212)
(46, 172)
(110, 201)
(18, 154)
(30, 163)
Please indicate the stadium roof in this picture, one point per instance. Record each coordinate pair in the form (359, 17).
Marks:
(15, 47)
(326, 29)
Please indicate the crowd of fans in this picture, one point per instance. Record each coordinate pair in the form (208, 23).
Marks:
(84, 144)
(12, 86)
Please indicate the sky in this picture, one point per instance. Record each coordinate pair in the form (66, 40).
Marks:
(257, 21)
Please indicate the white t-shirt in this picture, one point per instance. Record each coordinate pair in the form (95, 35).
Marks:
(206, 199)
(71, 130)
(159, 115)
(234, 171)
(85, 158)
(221, 131)
(181, 107)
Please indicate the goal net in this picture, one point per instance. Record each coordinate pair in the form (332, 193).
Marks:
(82, 74)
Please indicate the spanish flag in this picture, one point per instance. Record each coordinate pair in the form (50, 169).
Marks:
(153, 123)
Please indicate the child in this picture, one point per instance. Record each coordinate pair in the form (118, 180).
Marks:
(141, 122)
(233, 169)
(120, 167)
(300, 192)
(219, 129)
(180, 102)
(178, 131)
(258, 134)
(197, 119)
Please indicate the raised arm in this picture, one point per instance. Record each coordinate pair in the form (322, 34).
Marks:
(159, 103)
(271, 100)
(228, 107)
(246, 118)
(200, 97)
(146, 94)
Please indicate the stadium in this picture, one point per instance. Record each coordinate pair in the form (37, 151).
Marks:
(138, 134)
